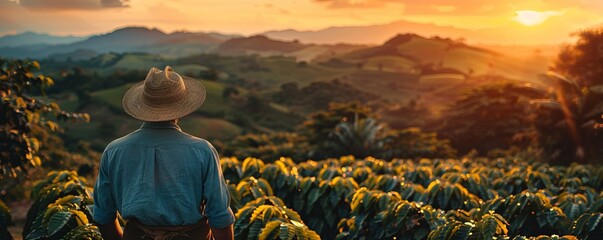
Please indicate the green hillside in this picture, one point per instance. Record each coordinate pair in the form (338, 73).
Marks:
(112, 96)
(106, 124)
(431, 72)
(189, 69)
(139, 61)
(108, 121)
(266, 73)
(209, 128)
(404, 53)
(214, 103)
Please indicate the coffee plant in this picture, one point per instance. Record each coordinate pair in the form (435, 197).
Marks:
(24, 116)
(350, 198)
(61, 209)
(269, 218)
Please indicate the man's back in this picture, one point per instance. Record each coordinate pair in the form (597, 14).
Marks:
(161, 176)
(158, 177)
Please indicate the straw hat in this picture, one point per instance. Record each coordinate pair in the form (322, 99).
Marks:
(163, 96)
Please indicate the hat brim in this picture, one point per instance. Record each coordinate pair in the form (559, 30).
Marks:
(134, 105)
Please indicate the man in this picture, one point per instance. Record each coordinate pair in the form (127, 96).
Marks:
(165, 183)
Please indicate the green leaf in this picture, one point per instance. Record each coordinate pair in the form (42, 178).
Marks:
(38, 233)
(270, 231)
(462, 232)
(286, 231)
(300, 232)
(87, 231)
(578, 226)
(292, 215)
(80, 217)
(314, 195)
(254, 230)
(594, 222)
(259, 211)
(57, 221)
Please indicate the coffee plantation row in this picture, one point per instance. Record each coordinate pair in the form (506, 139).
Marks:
(350, 198)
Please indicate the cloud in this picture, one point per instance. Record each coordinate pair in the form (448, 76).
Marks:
(425, 6)
(115, 3)
(465, 7)
(72, 4)
(531, 18)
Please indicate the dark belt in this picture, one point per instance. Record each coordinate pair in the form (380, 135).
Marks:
(135, 230)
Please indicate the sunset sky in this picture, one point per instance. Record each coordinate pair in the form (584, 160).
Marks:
(83, 17)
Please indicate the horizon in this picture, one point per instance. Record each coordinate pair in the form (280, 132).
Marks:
(500, 20)
(263, 33)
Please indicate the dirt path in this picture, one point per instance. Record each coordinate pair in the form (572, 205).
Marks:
(18, 210)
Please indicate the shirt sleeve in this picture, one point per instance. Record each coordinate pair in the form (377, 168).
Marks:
(104, 210)
(215, 192)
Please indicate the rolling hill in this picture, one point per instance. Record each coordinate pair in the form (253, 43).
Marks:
(415, 54)
(430, 71)
(257, 45)
(409, 68)
(265, 46)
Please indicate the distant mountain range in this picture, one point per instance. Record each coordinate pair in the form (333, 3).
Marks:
(400, 51)
(176, 44)
(38, 45)
(554, 31)
(31, 38)
(371, 34)
(129, 39)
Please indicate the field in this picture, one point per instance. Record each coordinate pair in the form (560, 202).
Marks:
(350, 198)
(419, 137)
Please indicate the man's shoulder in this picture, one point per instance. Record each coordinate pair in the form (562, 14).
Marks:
(197, 141)
(133, 137)
(139, 138)
(117, 142)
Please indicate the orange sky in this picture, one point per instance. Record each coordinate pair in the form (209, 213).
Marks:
(82, 17)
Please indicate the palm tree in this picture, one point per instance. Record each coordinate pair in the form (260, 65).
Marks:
(319, 127)
(567, 119)
(360, 138)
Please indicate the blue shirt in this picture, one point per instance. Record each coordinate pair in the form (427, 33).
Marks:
(160, 176)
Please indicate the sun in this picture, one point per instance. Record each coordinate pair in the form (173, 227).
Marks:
(532, 18)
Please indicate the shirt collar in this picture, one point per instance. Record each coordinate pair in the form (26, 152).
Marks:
(160, 125)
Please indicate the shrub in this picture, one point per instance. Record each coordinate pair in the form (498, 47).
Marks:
(61, 209)
(269, 218)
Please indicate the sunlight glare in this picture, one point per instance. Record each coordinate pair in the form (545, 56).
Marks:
(532, 18)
